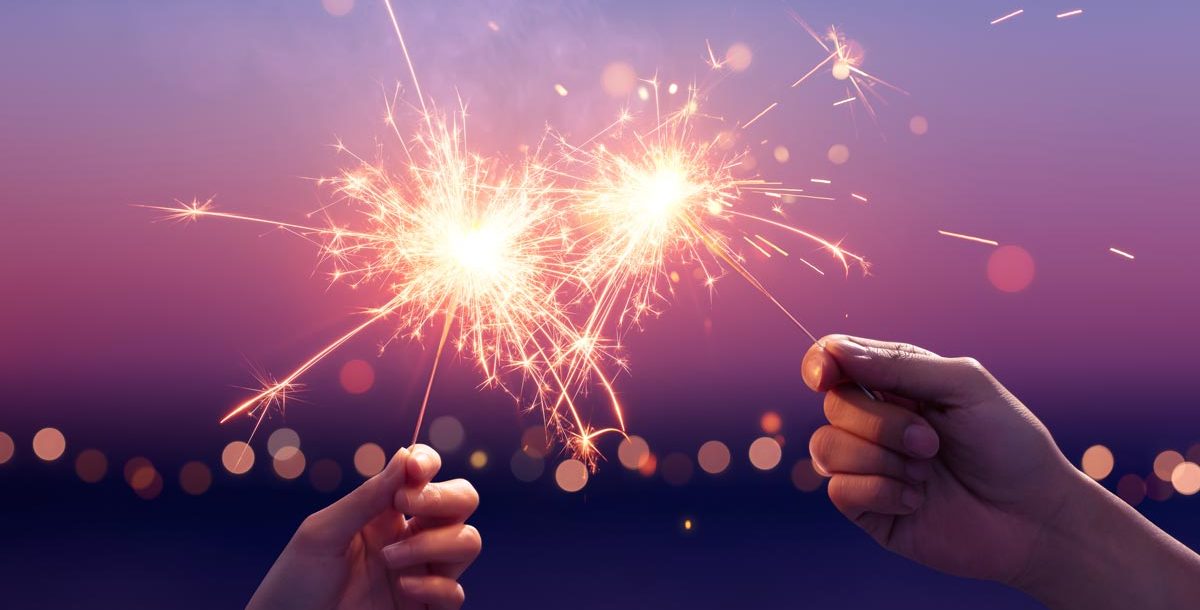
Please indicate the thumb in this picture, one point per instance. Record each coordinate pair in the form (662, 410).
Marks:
(897, 368)
(336, 525)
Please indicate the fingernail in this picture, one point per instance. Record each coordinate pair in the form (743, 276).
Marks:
(398, 554)
(911, 498)
(812, 372)
(423, 460)
(921, 440)
(819, 468)
(919, 471)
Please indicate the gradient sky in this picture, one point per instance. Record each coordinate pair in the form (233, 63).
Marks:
(1064, 137)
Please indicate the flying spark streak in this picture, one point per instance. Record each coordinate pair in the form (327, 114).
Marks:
(664, 195)
(858, 197)
(846, 101)
(760, 115)
(820, 181)
(772, 244)
(559, 89)
(980, 240)
(1121, 253)
(1077, 11)
(756, 246)
(845, 58)
(999, 20)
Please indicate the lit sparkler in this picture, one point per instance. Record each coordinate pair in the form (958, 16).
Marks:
(464, 243)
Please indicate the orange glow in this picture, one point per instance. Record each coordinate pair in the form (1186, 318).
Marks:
(676, 469)
(571, 475)
(325, 475)
(713, 457)
(478, 459)
(805, 477)
(649, 466)
(238, 457)
(195, 478)
(357, 376)
(1165, 463)
(49, 444)
(289, 467)
(771, 422)
(633, 452)
(1097, 462)
(1010, 268)
(765, 453)
(91, 465)
(369, 459)
(7, 448)
(1186, 478)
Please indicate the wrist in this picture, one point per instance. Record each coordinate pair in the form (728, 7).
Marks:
(1096, 551)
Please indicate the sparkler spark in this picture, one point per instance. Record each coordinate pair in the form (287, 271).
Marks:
(500, 259)
(962, 236)
(1000, 20)
(1121, 253)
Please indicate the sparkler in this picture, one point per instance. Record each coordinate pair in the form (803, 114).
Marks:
(467, 240)
(500, 256)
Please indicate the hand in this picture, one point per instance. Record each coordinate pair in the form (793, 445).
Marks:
(949, 469)
(361, 551)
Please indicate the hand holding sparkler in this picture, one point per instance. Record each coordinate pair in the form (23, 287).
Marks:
(952, 471)
(362, 552)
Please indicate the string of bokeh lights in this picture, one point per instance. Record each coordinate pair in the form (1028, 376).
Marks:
(1172, 472)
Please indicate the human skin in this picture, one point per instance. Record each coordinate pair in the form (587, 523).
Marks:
(363, 552)
(947, 468)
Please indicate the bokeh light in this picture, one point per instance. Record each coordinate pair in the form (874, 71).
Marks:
(369, 459)
(7, 448)
(357, 376)
(1192, 454)
(713, 457)
(688, 524)
(841, 70)
(446, 433)
(535, 441)
(325, 475)
(770, 422)
(1010, 268)
(238, 457)
(738, 57)
(49, 444)
(838, 154)
(1097, 462)
(781, 154)
(571, 475)
(618, 79)
(525, 467)
(1158, 489)
(633, 452)
(649, 465)
(195, 478)
(290, 467)
(152, 489)
(337, 8)
(805, 477)
(1165, 463)
(1132, 489)
(1186, 478)
(478, 459)
(765, 453)
(283, 443)
(919, 125)
(91, 465)
(676, 469)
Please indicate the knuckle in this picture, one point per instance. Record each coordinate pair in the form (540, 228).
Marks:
(468, 491)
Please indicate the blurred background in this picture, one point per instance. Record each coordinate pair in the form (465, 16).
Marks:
(124, 340)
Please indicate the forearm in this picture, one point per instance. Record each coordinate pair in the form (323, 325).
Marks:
(1101, 553)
